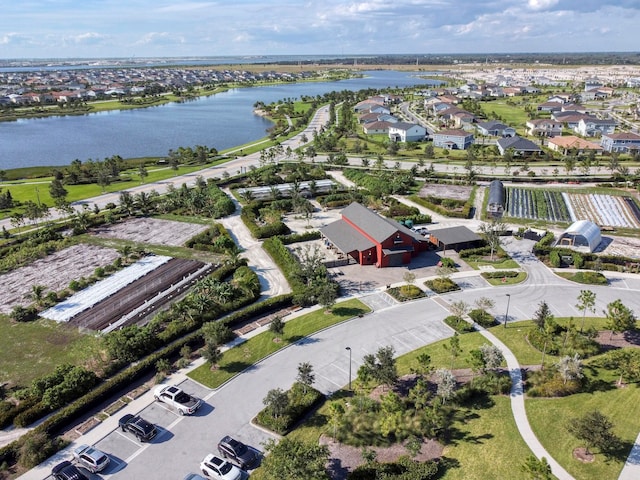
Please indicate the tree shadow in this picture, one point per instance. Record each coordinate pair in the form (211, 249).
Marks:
(348, 311)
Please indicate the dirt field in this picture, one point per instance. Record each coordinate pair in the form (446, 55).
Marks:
(53, 272)
(455, 192)
(151, 230)
(621, 246)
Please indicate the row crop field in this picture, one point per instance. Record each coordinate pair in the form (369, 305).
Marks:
(556, 206)
(608, 210)
(537, 204)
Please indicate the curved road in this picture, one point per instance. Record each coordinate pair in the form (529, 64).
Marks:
(184, 441)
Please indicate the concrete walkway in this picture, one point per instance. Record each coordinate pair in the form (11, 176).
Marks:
(518, 408)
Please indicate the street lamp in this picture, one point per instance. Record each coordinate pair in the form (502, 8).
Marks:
(349, 348)
(506, 315)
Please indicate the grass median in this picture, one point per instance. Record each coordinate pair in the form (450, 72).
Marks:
(242, 356)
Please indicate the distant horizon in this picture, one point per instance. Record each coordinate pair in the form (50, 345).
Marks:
(330, 55)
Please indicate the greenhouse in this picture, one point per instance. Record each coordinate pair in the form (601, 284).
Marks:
(581, 235)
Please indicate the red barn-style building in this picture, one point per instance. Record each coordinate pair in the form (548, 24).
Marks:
(373, 240)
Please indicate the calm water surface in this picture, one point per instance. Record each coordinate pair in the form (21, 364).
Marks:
(222, 121)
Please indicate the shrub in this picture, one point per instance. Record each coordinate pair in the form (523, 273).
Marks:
(500, 274)
(588, 277)
(405, 292)
(482, 317)
(299, 405)
(549, 383)
(554, 259)
(442, 285)
(459, 324)
(448, 262)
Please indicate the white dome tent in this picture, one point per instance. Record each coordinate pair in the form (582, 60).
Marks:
(582, 235)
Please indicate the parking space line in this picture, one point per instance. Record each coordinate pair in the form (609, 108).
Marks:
(329, 380)
(123, 435)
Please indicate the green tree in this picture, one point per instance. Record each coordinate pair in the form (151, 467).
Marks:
(493, 232)
(216, 333)
(620, 318)
(537, 469)
(453, 347)
(276, 401)
(336, 416)
(306, 377)
(276, 326)
(542, 315)
(58, 192)
(142, 171)
(595, 430)
(446, 384)
(212, 354)
(291, 459)
(586, 301)
(380, 367)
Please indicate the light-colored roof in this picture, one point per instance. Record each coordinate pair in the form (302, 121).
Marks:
(571, 141)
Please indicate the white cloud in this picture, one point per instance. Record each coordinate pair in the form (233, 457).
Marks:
(541, 4)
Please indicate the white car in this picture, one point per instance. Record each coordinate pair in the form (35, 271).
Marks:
(215, 467)
(91, 458)
(174, 396)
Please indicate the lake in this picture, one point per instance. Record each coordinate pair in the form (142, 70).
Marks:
(221, 121)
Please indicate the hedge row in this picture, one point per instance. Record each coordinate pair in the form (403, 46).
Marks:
(285, 261)
(65, 416)
(475, 252)
(301, 237)
(500, 274)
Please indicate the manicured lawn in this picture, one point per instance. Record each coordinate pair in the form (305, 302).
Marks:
(31, 350)
(489, 445)
(549, 417)
(497, 282)
(497, 264)
(256, 348)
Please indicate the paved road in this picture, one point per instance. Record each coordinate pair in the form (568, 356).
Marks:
(185, 440)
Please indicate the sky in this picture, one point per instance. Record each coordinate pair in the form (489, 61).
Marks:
(173, 28)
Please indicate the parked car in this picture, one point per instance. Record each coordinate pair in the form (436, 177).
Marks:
(177, 398)
(237, 452)
(67, 471)
(194, 476)
(91, 458)
(143, 430)
(215, 467)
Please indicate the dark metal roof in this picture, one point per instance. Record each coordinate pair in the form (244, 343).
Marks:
(345, 237)
(454, 235)
(496, 193)
(348, 239)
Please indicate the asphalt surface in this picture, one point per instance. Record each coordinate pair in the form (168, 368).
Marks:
(184, 441)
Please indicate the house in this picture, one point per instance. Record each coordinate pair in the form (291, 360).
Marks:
(594, 127)
(620, 142)
(518, 146)
(371, 239)
(406, 132)
(572, 144)
(570, 119)
(550, 106)
(543, 127)
(493, 128)
(454, 139)
(457, 116)
(376, 127)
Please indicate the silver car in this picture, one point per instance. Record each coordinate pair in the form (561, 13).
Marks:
(91, 458)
